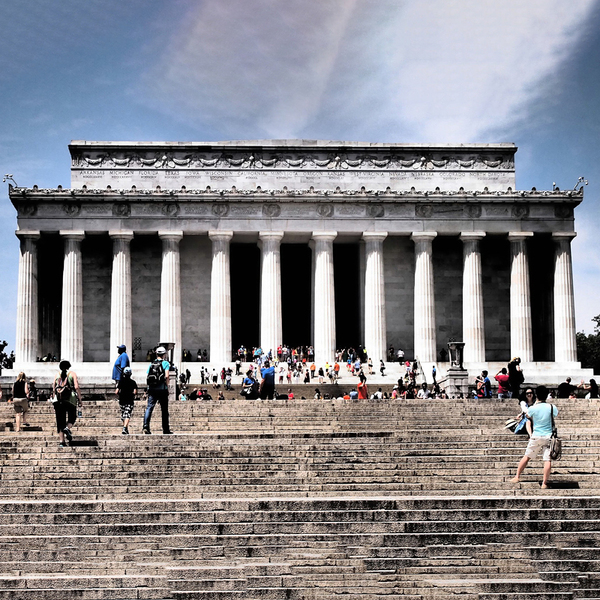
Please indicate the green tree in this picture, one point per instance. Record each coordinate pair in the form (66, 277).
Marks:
(588, 347)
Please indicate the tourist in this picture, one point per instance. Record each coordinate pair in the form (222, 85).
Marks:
(67, 397)
(121, 362)
(503, 383)
(353, 394)
(267, 388)
(249, 386)
(318, 395)
(370, 365)
(515, 376)
(20, 392)
(382, 367)
(565, 389)
(483, 386)
(423, 392)
(126, 392)
(592, 389)
(321, 374)
(158, 391)
(220, 395)
(541, 414)
(363, 392)
(378, 395)
(290, 394)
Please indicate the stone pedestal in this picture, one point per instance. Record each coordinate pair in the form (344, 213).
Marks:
(271, 327)
(374, 288)
(473, 325)
(120, 295)
(170, 291)
(521, 336)
(324, 297)
(71, 339)
(220, 298)
(424, 331)
(564, 305)
(27, 338)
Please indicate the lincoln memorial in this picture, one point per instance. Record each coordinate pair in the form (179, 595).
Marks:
(212, 245)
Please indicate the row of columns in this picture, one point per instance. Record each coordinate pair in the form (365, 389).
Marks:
(425, 343)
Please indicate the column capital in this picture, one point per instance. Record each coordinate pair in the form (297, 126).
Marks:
(220, 236)
(121, 234)
(27, 234)
(472, 236)
(374, 236)
(324, 236)
(72, 235)
(275, 236)
(423, 236)
(519, 236)
(564, 235)
(174, 236)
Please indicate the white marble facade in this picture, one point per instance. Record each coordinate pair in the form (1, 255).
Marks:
(439, 226)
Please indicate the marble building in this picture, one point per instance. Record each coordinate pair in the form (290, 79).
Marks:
(215, 244)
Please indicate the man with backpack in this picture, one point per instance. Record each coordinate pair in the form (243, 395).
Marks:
(157, 381)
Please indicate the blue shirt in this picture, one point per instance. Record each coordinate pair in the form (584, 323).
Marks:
(268, 374)
(121, 362)
(542, 421)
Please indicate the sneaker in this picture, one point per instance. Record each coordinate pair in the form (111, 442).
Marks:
(68, 433)
(146, 431)
(125, 431)
(167, 433)
(63, 444)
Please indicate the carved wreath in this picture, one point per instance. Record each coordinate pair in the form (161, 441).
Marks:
(220, 210)
(563, 212)
(375, 210)
(72, 209)
(121, 209)
(271, 210)
(171, 209)
(423, 210)
(325, 210)
(473, 211)
(520, 212)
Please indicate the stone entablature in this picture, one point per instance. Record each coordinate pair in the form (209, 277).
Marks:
(398, 212)
(292, 165)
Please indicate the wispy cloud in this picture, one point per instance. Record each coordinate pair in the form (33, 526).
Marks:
(428, 71)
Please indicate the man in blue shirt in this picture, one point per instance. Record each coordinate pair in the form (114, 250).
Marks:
(541, 416)
(121, 362)
(158, 390)
(267, 389)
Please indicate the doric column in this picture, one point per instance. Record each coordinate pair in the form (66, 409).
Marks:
(71, 337)
(27, 341)
(271, 329)
(521, 337)
(375, 323)
(564, 304)
(425, 334)
(220, 298)
(120, 292)
(170, 291)
(473, 325)
(324, 297)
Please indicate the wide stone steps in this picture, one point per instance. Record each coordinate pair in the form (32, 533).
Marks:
(299, 500)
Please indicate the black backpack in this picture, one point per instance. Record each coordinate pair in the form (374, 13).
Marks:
(63, 389)
(156, 374)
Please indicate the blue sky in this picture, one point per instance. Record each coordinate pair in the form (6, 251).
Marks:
(441, 71)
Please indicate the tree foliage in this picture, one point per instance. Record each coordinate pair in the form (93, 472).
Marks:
(588, 347)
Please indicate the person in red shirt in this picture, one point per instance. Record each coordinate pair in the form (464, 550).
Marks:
(503, 386)
(363, 393)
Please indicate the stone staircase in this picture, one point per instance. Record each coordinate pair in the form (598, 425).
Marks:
(298, 499)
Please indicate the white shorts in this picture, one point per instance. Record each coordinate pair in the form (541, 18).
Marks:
(536, 444)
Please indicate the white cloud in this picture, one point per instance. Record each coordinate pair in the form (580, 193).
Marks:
(439, 71)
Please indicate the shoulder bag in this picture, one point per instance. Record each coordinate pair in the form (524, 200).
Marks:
(555, 442)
